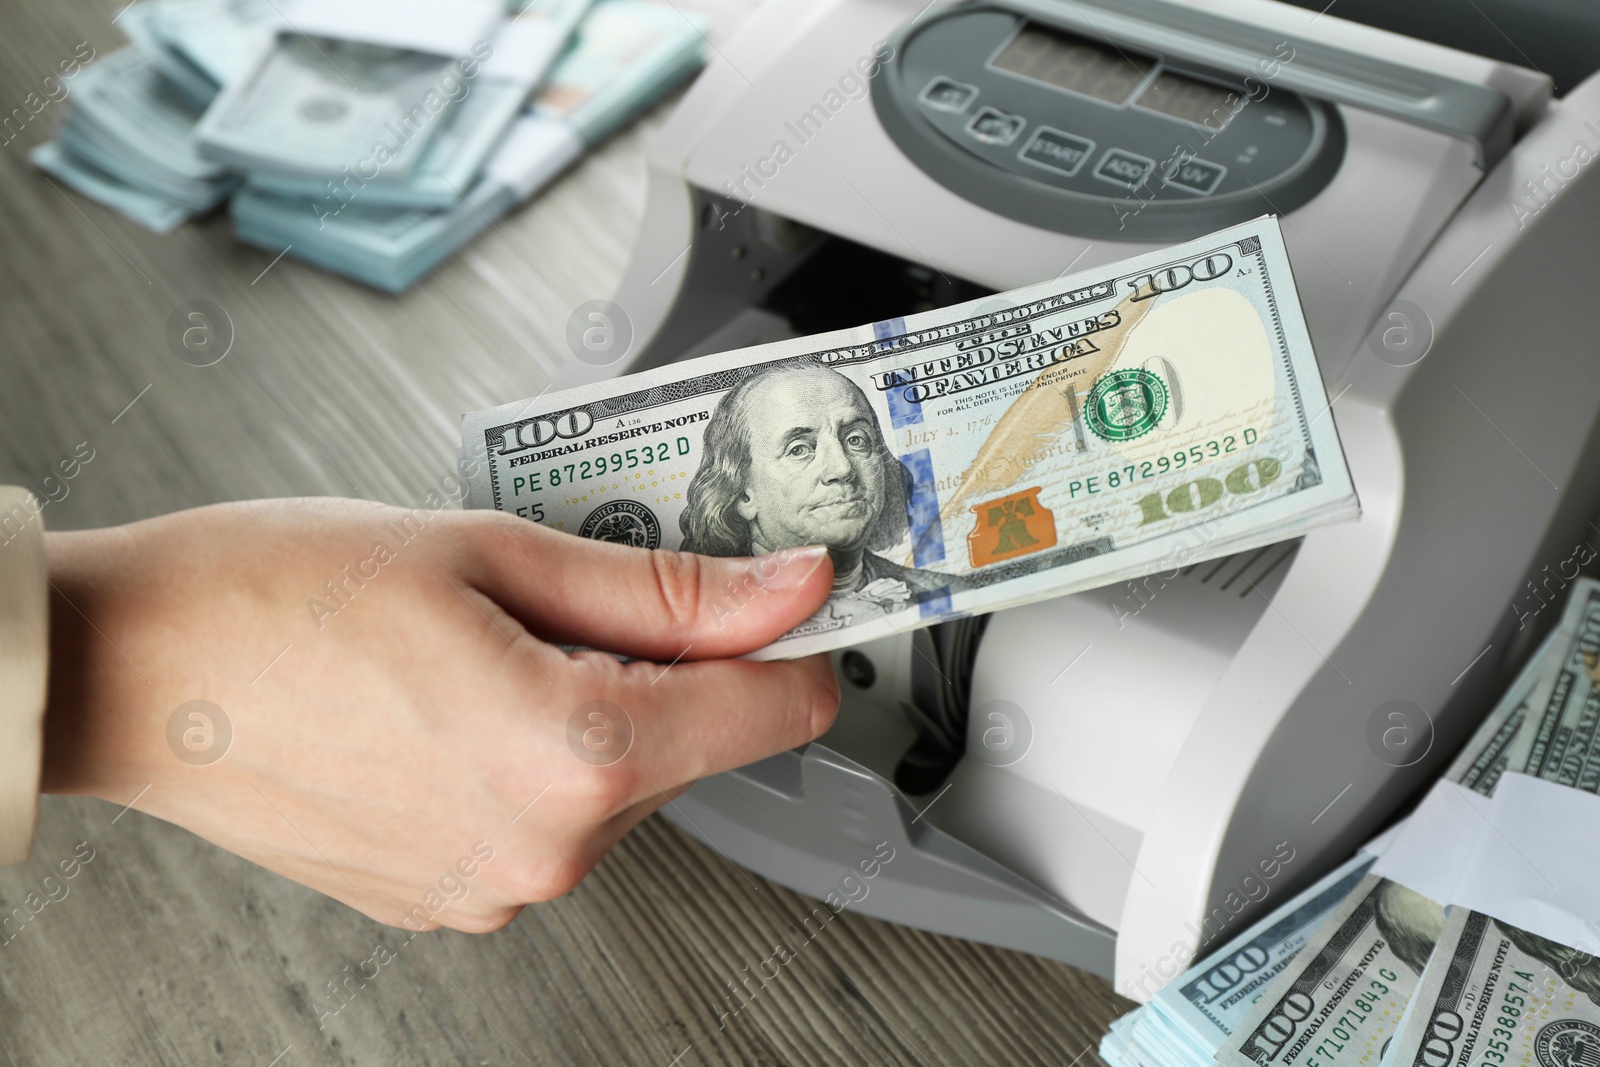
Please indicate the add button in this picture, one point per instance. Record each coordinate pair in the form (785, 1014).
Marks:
(1056, 150)
(1124, 169)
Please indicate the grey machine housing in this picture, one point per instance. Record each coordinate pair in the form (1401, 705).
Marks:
(1443, 245)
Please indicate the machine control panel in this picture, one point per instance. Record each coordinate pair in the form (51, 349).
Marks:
(1091, 134)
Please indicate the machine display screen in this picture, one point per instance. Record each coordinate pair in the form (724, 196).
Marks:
(1189, 99)
(1068, 61)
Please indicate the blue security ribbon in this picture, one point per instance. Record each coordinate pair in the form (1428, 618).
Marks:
(922, 509)
(902, 410)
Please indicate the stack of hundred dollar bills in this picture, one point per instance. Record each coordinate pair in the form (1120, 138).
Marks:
(128, 142)
(1360, 969)
(1132, 418)
(372, 138)
(626, 55)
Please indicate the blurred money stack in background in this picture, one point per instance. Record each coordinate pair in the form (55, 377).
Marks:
(128, 142)
(1362, 969)
(627, 53)
(371, 138)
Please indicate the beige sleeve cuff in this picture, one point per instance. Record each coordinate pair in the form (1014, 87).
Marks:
(24, 667)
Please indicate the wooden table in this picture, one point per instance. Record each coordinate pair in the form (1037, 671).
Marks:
(168, 950)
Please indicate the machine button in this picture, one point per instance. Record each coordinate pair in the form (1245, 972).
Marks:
(1056, 150)
(993, 126)
(1196, 175)
(945, 94)
(1124, 169)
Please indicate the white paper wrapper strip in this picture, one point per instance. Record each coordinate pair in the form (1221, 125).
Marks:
(1525, 856)
(421, 25)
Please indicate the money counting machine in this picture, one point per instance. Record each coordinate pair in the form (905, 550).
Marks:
(1113, 778)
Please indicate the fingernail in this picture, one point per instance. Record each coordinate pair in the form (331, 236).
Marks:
(788, 568)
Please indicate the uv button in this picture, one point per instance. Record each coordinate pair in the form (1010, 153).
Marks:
(1196, 176)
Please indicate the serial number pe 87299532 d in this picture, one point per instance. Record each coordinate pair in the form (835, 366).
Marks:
(582, 470)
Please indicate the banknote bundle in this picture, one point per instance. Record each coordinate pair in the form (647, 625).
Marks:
(1546, 725)
(321, 119)
(627, 53)
(1361, 969)
(1342, 998)
(1461, 969)
(128, 142)
(1185, 1023)
(374, 138)
(1494, 992)
(348, 84)
(517, 58)
(1497, 994)
(201, 45)
(1134, 418)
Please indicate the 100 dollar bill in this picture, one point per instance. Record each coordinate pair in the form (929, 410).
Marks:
(1136, 417)
(1548, 723)
(1208, 1002)
(1495, 994)
(1342, 999)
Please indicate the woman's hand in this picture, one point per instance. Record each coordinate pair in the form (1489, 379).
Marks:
(389, 712)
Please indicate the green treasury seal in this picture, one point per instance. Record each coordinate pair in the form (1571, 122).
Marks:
(1126, 404)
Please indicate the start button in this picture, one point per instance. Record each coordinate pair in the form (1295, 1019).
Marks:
(1057, 150)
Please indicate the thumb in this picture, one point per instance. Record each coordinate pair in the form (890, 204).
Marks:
(650, 603)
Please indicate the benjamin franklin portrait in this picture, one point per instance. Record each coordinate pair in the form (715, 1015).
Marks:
(793, 457)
